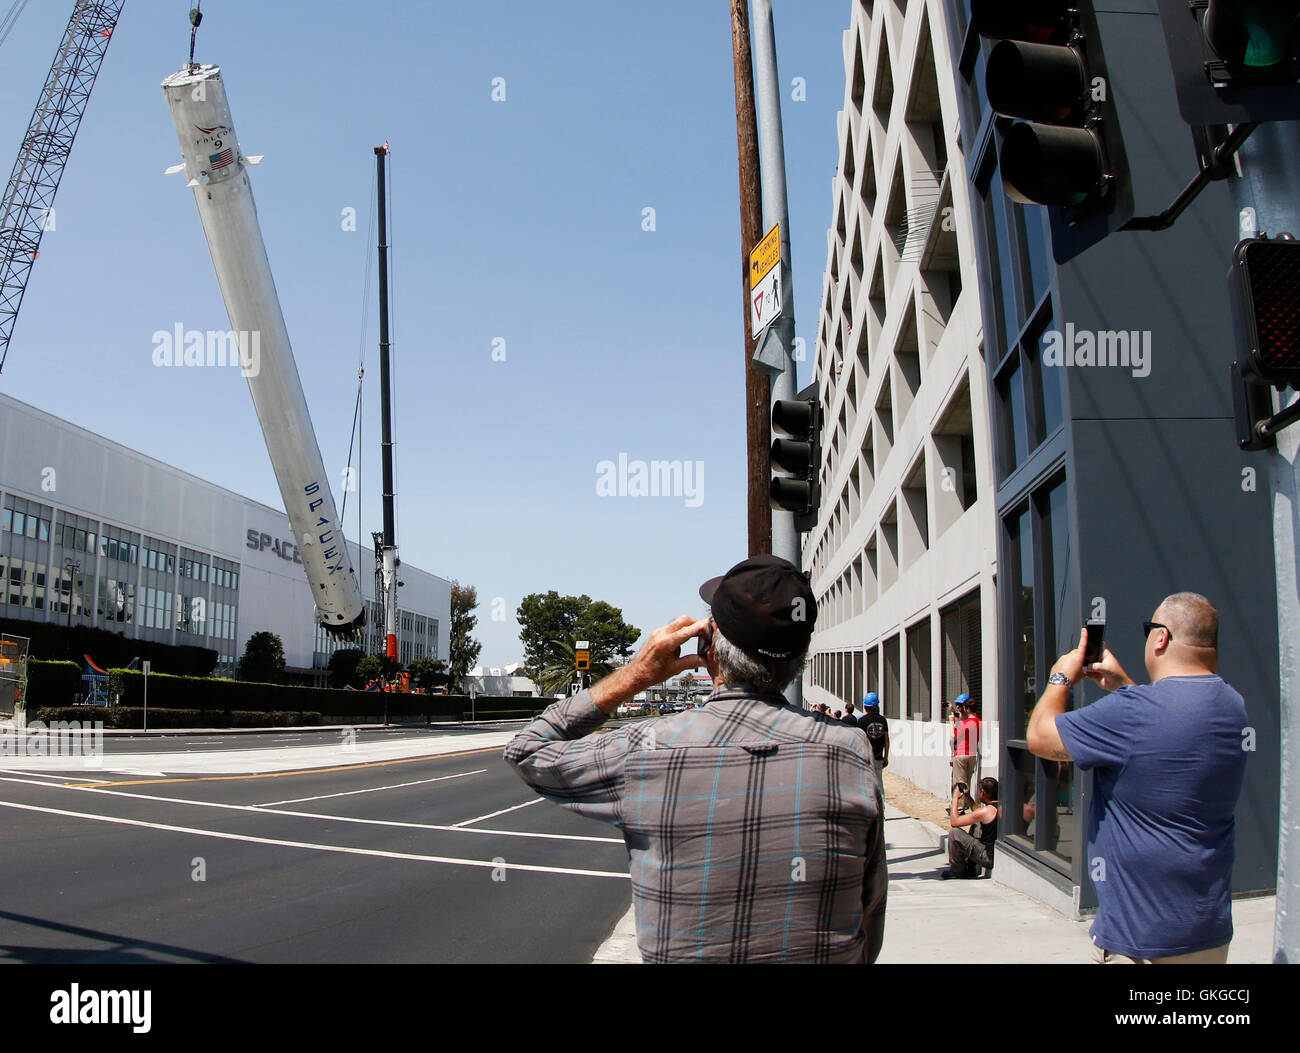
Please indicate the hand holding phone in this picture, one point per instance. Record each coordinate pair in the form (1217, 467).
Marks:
(1096, 639)
(706, 640)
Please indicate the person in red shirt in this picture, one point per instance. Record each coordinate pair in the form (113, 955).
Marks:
(966, 739)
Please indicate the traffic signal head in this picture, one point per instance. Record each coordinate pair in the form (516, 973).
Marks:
(1265, 292)
(1234, 61)
(1047, 74)
(800, 455)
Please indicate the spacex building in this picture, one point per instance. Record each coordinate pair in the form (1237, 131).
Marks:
(93, 533)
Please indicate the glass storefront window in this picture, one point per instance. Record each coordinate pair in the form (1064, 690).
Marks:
(1020, 799)
(1059, 791)
(1023, 582)
(1059, 623)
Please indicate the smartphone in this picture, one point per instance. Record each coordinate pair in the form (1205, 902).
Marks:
(706, 640)
(1096, 635)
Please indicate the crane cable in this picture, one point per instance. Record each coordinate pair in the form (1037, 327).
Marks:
(354, 442)
(11, 16)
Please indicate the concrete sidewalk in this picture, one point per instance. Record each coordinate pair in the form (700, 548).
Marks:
(939, 922)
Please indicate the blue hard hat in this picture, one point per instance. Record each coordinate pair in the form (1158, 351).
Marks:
(961, 700)
(872, 699)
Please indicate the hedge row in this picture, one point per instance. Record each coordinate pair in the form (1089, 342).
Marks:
(126, 688)
(132, 717)
(54, 641)
(53, 683)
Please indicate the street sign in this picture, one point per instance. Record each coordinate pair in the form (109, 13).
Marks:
(765, 282)
(582, 655)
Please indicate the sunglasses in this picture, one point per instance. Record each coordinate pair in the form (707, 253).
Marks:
(1148, 626)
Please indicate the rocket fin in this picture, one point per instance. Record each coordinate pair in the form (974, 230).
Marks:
(256, 159)
(175, 168)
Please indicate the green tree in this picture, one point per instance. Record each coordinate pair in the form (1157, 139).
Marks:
(377, 666)
(464, 649)
(549, 622)
(263, 659)
(428, 673)
(343, 667)
(556, 677)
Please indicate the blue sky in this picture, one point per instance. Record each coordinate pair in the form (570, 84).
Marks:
(516, 221)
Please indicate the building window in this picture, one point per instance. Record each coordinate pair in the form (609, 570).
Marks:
(892, 679)
(1024, 582)
(961, 666)
(918, 670)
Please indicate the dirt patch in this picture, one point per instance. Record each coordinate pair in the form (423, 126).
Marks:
(916, 802)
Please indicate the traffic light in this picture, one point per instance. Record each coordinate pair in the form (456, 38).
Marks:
(800, 454)
(1234, 61)
(1264, 284)
(1047, 73)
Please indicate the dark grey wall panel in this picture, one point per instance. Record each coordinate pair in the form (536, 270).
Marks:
(1162, 509)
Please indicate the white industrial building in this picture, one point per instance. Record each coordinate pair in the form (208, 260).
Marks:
(94, 533)
(903, 557)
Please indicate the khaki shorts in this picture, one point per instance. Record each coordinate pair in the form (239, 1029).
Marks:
(1212, 956)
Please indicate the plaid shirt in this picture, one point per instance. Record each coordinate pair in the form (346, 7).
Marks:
(755, 830)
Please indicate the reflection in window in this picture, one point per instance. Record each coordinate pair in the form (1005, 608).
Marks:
(1023, 679)
(1036, 266)
(1049, 380)
(1020, 799)
(1059, 790)
(1015, 427)
(1007, 300)
(1059, 624)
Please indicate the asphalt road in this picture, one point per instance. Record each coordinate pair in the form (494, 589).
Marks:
(418, 859)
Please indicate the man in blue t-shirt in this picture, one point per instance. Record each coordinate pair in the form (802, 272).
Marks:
(1168, 760)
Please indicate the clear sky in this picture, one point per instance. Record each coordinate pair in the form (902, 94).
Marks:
(518, 221)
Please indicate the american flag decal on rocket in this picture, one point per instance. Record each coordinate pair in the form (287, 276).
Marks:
(221, 160)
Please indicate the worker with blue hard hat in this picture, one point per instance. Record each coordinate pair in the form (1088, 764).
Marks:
(877, 729)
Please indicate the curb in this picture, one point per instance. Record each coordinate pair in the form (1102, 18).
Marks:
(6, 725)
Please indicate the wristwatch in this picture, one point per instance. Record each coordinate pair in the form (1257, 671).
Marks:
(1059, 678)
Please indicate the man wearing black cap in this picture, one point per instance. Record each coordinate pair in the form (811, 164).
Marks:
(755, 830)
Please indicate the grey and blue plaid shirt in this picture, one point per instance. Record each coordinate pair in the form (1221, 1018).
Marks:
(755, 830)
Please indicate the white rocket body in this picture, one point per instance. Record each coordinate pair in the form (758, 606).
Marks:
(215, 167)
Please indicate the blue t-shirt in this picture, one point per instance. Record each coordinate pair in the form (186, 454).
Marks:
(1169, 764)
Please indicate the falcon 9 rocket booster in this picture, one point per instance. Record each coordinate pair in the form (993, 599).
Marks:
(215, 167)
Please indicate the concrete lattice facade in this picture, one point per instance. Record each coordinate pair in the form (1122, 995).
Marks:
(903, 555)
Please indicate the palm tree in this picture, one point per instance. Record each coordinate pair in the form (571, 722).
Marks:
(560, 671)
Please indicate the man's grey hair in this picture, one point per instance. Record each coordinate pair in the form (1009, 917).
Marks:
(737, 667)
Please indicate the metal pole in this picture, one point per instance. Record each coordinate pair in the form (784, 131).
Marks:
(771, 147)
(1270, 185)
(758, 386)
(386, 418)
(144, 719)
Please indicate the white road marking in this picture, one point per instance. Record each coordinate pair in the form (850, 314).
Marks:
(491, 815)
(372, 789)
(488, 863)
(331, 818)
(209, 761)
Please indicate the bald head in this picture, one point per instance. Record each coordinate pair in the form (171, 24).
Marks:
(1192, 620)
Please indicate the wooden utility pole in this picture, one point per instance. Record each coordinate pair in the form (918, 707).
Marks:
(758, 386)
